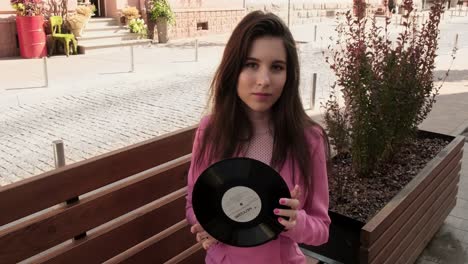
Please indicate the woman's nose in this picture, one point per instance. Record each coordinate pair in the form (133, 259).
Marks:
(263, 78)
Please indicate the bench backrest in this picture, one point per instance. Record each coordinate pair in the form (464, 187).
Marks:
(131, 208)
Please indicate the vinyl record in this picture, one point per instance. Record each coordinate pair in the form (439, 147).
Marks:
(234, 200)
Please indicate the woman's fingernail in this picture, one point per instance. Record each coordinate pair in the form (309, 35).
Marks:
(280, 219)
(276, 211)
(282, 201)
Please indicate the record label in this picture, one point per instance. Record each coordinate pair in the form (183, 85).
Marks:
(241, 204)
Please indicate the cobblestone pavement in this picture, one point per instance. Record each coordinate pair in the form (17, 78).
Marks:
(95, 106)
(97, 114)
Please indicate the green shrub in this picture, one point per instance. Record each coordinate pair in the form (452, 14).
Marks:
(137, 25)
(160, 9)
(388, 86)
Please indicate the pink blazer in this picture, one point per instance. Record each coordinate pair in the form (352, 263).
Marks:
(312, 221)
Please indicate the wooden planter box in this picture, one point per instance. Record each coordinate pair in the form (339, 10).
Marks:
(401, 230)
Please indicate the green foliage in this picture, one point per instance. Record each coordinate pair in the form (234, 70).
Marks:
(160, 9)
(28, 7)
(388, 86)
(137, 25)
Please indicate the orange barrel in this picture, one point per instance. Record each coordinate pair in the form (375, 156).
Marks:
(31, 36)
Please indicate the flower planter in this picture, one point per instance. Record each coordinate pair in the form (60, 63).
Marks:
(161, 26)
(31, 36)
(401, 230)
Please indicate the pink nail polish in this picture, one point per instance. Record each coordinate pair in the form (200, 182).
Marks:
(276, 211)
(280, 220)
(282, 201)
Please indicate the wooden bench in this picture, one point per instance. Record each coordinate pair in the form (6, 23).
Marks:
(131, 209)
(124, 206)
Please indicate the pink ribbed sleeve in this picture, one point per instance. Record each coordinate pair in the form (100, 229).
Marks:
(194, 172)
(313, 222)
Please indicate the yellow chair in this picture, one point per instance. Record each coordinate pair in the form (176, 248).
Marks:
(56, 25)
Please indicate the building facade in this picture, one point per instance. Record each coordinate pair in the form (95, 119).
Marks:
(196, 17)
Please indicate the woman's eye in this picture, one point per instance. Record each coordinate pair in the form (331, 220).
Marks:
(251, 65)
(278, 67)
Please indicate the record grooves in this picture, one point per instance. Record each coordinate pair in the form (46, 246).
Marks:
(234, 199)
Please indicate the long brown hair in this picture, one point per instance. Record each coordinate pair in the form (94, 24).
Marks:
(229, 129)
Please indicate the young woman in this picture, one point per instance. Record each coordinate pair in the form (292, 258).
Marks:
(257, 113)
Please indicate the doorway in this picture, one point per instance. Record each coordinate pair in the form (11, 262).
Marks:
(100, 7)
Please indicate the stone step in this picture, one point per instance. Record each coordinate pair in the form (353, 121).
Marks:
(106, 28)
(122, 36)
(102, 22)
(91, 45)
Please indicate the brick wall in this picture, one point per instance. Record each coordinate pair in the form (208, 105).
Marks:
(224, 20)
(8, 46)
(301, 13)
(193, 23)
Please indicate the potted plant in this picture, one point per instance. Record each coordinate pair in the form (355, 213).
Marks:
(138, 26)
(161, 13)
(30, 27)
(129, 13)
(77, 22)
(391, 185)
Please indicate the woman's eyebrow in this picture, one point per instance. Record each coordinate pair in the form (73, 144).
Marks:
(252, 58)
(255, 59)
(280, 62)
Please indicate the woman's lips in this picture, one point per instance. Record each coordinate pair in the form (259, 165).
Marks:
(261, 96)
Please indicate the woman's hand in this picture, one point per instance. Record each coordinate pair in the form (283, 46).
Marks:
(293, 203)
(202, 236)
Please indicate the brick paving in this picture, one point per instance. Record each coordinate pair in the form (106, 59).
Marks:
(95, 106)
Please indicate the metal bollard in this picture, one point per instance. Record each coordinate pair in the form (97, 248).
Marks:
(314, 90)
(315, 33)
(132, 61)
(196, 50)
(46, 73)
(59, 158)
(59, 153)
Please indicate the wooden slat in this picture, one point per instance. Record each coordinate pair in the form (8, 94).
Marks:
(31, 237)
(380, 222)
(423, 226)
(429, 235)
(416, 209)
(194, 255)
(123, 234)
(420, 241)
(390, 241)
(159, 248)
(20, 199)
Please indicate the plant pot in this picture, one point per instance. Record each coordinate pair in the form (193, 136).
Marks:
(401, 230)
(161, 27)
(31, 36)
(123, 20)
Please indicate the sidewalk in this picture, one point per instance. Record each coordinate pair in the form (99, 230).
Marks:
(450, 116)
